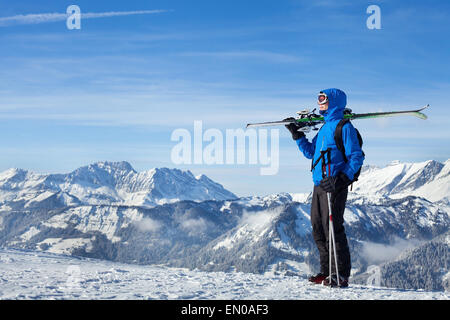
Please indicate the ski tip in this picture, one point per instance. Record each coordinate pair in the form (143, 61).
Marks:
(422, 115)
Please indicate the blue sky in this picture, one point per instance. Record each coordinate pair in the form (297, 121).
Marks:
(117, 88)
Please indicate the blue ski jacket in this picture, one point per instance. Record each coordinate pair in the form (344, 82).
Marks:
(324, 139)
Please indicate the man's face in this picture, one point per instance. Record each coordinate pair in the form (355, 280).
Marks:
(323, 107)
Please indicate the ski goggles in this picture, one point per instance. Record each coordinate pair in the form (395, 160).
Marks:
(322, 98)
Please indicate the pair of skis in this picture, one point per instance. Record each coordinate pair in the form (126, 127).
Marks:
(307, 120)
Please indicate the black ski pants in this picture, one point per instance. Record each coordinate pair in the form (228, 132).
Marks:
(320, 222)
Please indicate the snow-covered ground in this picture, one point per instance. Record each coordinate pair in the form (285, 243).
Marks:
(39, 275)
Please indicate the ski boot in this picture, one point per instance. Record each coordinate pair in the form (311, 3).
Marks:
(332, 282)
(318, 278)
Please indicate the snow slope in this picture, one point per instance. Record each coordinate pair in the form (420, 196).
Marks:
(36, 275)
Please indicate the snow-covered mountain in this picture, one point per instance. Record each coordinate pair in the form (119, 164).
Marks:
(105, 183)
(93, 212)
(429, 180)
(433, 274)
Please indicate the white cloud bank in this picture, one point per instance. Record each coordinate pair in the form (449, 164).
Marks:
(52, 17)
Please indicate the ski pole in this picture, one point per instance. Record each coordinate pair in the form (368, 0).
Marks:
(331, 231)
(329, 241)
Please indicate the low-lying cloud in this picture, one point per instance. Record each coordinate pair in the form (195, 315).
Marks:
(148, 225)
(259, 220)
(377, 253)
(194, 226)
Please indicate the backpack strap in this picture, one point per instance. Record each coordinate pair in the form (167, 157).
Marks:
(340, 145)
(338, 137)
(314, 164)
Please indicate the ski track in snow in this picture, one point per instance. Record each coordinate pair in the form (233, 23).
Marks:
(40, 275)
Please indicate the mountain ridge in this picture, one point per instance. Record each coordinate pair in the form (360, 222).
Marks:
(428, 179)
(111, 182)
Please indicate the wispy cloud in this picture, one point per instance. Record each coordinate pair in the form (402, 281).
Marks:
(264, 55)
(52, 17)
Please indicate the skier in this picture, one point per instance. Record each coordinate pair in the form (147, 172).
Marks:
(332, 175)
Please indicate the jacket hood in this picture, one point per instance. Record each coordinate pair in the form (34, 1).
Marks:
(337, 103)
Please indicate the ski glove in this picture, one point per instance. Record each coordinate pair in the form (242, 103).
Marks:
(337, 183)
(292, 127)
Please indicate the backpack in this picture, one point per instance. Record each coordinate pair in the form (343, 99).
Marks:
(340, 143)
